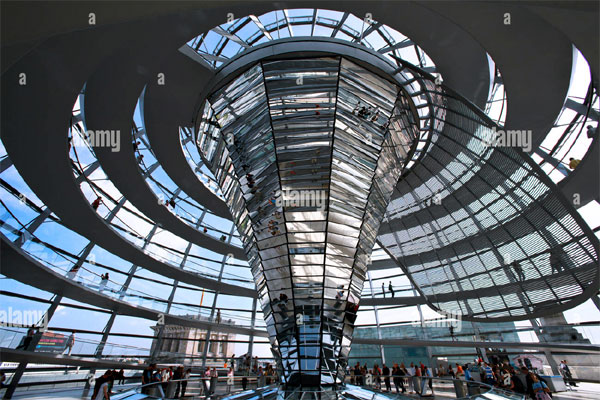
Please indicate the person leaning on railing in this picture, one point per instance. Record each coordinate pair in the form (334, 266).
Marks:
(398, 374)
(177, 376)
(147, 377)
(459, 387)
(102, 387)
(540, 389)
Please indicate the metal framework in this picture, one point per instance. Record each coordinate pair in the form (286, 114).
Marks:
(480, 232)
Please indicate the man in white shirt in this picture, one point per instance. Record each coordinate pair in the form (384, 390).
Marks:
(411, 372)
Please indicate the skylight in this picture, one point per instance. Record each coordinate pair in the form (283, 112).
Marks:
(230, 39)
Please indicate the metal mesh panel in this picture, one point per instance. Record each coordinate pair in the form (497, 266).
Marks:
(483, 223)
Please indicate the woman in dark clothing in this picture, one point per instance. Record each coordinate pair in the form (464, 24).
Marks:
(398, 374)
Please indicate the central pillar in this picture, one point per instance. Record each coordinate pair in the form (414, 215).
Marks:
(307, 152)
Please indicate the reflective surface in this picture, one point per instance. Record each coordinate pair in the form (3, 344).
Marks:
(307, 153)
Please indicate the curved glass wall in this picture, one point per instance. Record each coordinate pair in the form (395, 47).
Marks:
(469, 218)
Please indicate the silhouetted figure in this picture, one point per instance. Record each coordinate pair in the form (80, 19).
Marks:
(96, 203)
(70, 343)
(186, 376)
(121, 377)
(27, 339)
(556, 261)
(518, 270)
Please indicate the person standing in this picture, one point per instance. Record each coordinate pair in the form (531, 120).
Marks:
(96, 203)
(490, 379)
(411, 375)
(121, 377)
(540, 389)
(417, 379)
(27, 339)
(157, 379)
(255, 364)
(357, 374)
(567, 373)
(111, 380)
(101, 389)
(391, 289)
(556, 263)
(398, 375)
(206, 382)
(214, 377)
(383, 289)
(70, 343)
(177, 377)
(186, 377)
(426, 379)
(386, 378)
(147, 377)
(516, 266)
(245, 380)
(441, 371)
(103, 282)
(229, 379)
(377, 376)
(167, 374)
(259, 377)
(459, 387)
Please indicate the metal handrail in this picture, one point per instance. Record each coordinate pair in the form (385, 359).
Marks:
(484, 388)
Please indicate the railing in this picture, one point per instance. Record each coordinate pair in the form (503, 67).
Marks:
(567, 139)
(62, 264)
(242, 387)
(425, 385)
(14, 338)
(219, 386)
